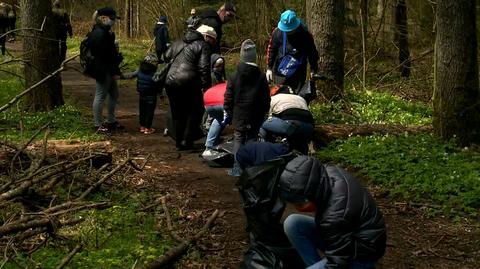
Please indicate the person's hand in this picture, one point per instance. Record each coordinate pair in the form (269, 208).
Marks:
(227, 119)
(269, 75)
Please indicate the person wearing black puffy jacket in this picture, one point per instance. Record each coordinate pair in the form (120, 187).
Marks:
(348, 226)
(188, 77)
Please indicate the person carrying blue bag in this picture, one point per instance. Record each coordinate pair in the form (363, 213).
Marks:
(290, 48)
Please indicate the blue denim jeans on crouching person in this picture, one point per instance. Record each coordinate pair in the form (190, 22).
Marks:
(298, 133)
(304, 236)
(216, 128)
(106, 87)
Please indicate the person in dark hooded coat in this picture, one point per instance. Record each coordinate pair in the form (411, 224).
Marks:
(162, 40)
(217, 19)
(348, 226)
(186, 80)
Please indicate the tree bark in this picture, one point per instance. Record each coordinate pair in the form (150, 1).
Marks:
(326, 23)
(401, 37)
(41, 51)
(364, 26)
(456, 99)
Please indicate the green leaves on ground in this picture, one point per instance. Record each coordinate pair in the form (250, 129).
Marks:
(66, 122)
(360, 107)
(415, 168)
(118, 237)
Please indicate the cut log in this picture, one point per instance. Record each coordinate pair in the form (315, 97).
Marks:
(324, 134)
(67, 147)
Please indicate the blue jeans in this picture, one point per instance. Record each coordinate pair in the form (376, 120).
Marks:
(216, 128)
(298, 133)
(302, 232)
(107, 87)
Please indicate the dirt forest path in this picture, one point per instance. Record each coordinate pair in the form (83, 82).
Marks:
(414, 240)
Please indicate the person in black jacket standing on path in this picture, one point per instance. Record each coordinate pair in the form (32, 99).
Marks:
(162, 40)
(62, 28)
(216, 19)
(106, 61)
(247, 99)
(186, 80)
(348, 226)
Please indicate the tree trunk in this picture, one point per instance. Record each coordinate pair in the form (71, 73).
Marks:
(326, 23)
(401, 37)
(127, 19)
(456, 99)
(380, 9)
(41, 52)
(364, 26)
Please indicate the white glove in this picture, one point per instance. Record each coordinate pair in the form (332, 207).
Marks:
(269, 75)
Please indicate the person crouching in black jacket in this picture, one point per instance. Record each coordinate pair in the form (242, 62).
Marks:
(188, 77)
(348, 226)
(247, 99)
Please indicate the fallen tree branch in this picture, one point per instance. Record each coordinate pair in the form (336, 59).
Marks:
(179, 250)
(17, 227)
(102, 205)
(169, 220)
(100, 182)
(29, 181)
(25, 29)
(69, 257)
(326, 133)
(54, 73)
(28, 143)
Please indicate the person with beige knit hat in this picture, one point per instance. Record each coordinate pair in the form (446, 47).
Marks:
(209, 34)
(247, 99)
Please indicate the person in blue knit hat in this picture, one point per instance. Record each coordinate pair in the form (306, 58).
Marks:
(290, 48)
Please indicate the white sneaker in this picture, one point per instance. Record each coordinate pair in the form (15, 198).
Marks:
(207, 153)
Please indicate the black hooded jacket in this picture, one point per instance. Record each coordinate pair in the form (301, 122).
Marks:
(104, 51)
(211, 18)
(347, 217)
(191, 68)
(247, 98)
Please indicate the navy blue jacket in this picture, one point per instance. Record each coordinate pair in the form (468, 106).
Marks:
(146, 85)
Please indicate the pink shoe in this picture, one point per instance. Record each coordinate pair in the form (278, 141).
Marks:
(149, 131)
(143, 129)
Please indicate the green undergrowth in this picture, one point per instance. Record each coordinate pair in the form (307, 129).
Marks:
(418, 168)
(118, 237)
(370, 107)
(66, 122)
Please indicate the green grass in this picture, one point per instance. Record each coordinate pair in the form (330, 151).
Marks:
(369, 107)
(117, 237)
(66, 122)
(419, 168)
(415, 168)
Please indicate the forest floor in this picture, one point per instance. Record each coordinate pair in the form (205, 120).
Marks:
(415, 239)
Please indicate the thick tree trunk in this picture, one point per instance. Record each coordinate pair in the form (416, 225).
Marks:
(456, 99)
(326, 23)
(41, 52)
(401, 37)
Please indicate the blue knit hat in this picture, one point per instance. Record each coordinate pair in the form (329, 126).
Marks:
(288, 21)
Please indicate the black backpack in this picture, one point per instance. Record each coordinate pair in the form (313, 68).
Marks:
(86, 57)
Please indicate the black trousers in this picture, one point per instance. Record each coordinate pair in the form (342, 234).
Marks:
(186, 105)
(2, 43)
(146, 105)
(62, 49)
